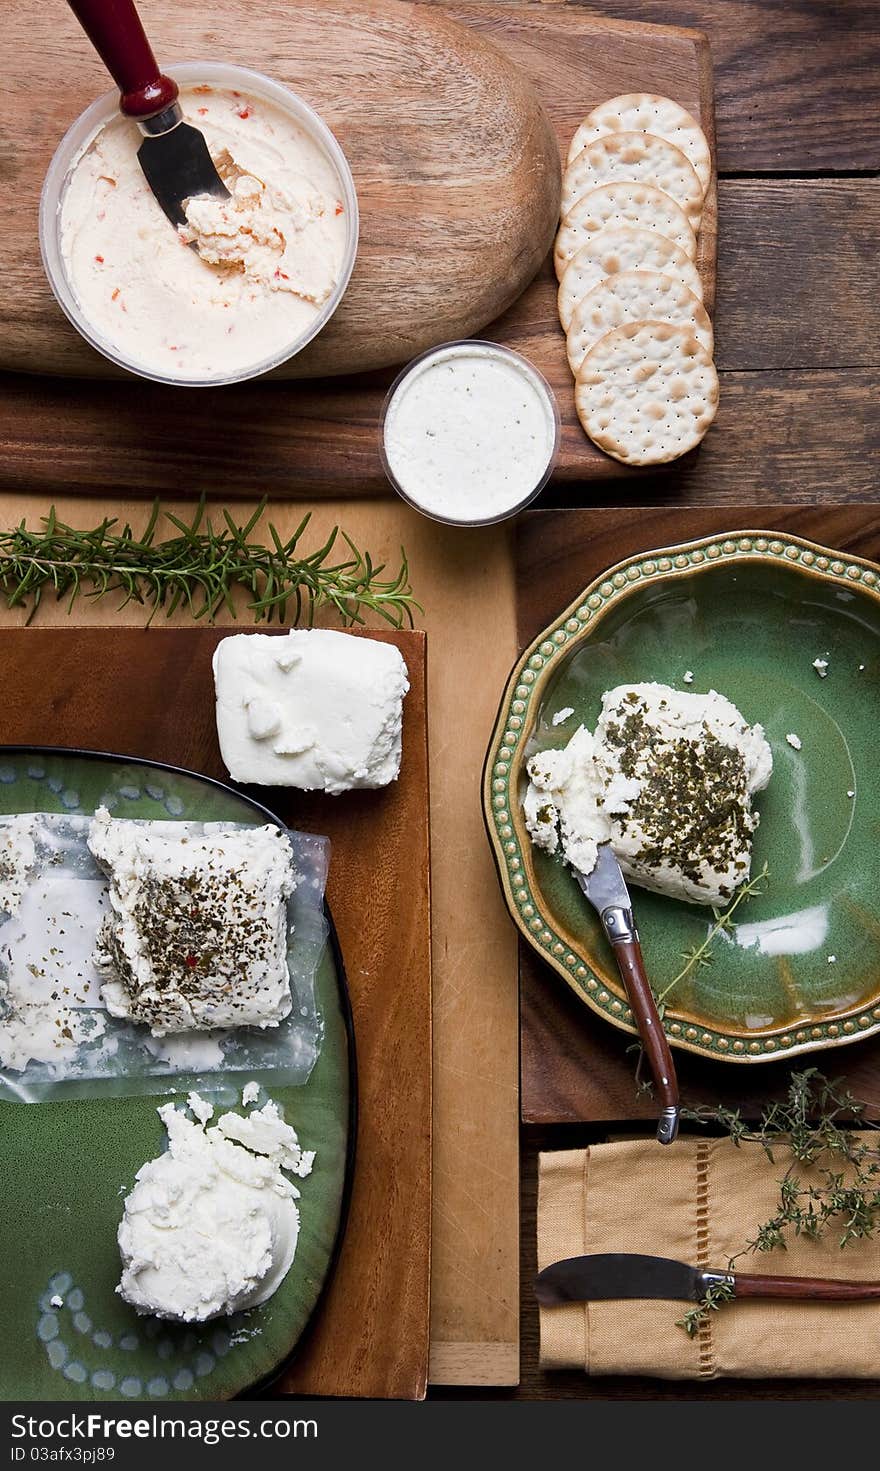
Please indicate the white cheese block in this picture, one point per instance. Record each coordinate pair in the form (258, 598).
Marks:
(196, 937)
(667, 778)
(318, 710)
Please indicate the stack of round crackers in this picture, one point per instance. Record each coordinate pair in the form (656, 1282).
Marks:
(638, 337)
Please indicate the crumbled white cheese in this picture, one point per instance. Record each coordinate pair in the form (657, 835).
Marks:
(249, 1094)
(319, 710)
(668, 779)
(832, 959)
(821, 667)
(45, 1032)
(200, 1107)
(688, 676)
(17, 857)
(56, 1301)
(197, 934)
(562, 715)
(861, 667)
(794, 741)
(850, 793)
(210, 1226)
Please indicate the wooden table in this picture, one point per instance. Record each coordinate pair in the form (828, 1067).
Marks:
(797, 101)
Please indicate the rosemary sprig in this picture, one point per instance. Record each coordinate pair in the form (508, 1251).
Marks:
(200, 569)
(701, 954)
(816, 1126)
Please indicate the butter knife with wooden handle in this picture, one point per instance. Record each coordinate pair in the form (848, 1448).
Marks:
(618, 1276)
(607, 892)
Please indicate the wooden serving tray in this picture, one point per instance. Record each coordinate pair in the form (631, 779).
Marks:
(462, 222)
(151, 694)
(575, 1068)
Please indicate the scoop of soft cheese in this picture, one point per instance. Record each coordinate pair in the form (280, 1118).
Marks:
(316, 710)
(263, 233)
(667, 779)
(197, 936)
(211, 1226)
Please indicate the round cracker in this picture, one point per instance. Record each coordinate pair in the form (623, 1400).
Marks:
(635, 296)
(645, 112)
(622, 204)
(637, 157)
(623, 248)
(647, 392)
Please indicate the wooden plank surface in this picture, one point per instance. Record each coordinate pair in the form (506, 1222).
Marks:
(797, 419)
(151, 694)
(797, 86)
(458, 201)
(575, 1067)
(475, 1277)
(280, 434)
(798, 274)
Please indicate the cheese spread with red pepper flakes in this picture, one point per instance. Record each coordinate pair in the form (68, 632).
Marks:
(264, 261)
(197, 934)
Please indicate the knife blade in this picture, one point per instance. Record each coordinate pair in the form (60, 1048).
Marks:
(605, 888)
(627, 1275)
(174, 155)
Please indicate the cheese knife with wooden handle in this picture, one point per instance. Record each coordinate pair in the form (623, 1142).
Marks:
(624, 1275)
(607, 892)
(173, 155)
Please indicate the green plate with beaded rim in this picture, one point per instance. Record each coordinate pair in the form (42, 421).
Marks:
(67, 1164)
(747, 613)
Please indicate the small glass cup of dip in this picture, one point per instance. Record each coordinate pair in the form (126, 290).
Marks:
(102, 111)
(469, 433)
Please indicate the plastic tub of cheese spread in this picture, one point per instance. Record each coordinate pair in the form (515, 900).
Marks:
(266, 277)
(470, 433)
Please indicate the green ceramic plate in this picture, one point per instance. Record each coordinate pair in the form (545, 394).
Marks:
(747, 614)
(67, 1164)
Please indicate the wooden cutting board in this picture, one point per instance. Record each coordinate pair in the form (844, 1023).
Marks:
(574, 1067)
(322, 438)
(454, 162)
(151, 694)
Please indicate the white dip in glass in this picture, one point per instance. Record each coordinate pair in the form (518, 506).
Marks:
(470, 433)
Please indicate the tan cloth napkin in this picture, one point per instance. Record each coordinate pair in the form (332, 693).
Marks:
(699, 1201)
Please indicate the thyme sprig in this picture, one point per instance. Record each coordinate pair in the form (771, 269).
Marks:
(832, 1180)
(200, 569)
(702, 954)
(693, 1319)
(698, 955)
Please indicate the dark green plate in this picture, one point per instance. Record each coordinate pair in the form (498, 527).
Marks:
(67, 1165)
(748, 614)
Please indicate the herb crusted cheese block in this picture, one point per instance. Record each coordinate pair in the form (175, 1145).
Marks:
(668, 778)
(197, 934)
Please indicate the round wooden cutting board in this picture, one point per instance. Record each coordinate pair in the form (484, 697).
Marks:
(455, 162)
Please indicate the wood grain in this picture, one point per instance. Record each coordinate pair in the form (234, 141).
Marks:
(797, 84)
(458, 198)
(803, 435)
(151, 694)
(796, 428)
(475, 1231)
(323, 438)
(574, 1066)
(798, 274)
